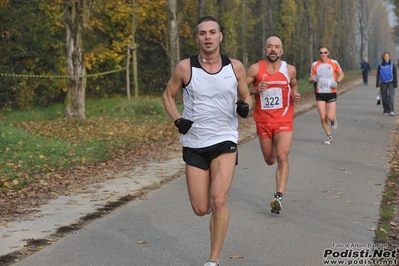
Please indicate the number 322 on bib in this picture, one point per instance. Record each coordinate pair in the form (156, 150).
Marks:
(272, 98)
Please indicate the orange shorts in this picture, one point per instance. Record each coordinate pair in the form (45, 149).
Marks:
(268, 130)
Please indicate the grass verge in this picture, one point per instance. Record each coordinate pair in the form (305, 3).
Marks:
(387, 231)
(42, 141)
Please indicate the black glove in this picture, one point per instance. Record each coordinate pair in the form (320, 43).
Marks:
(242, 108)
(183, 125)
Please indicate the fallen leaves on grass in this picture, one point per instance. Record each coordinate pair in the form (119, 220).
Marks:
(147, 141)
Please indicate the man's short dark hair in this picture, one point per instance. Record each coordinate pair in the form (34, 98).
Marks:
(209, 18)
(323, 46)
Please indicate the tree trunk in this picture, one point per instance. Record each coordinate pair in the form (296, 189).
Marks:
(201, 8)
(243, 31)
(74, 23)
(311, 32)
(366, 17)
(221, 10)
(173, 23)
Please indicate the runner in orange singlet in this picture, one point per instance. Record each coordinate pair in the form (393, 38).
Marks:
(275, 89)
(324, 74)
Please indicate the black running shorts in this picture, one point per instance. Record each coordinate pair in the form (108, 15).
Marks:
(202, 157)
(326, 97)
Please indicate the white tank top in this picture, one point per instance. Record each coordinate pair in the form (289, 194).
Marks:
(210, 102)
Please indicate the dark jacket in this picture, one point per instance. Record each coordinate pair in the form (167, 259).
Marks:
(365, 66)
(390, 70)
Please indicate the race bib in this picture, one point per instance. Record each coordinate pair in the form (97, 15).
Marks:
(272, 98)
(324, 85)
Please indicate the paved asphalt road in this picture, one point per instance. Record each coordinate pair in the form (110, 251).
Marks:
(331, 199)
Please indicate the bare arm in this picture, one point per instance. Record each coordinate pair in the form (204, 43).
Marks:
(312, 76)
(341, 76)
(311, 79)
(175, 83)
(252, 71)
(243, 91)
(296, 96)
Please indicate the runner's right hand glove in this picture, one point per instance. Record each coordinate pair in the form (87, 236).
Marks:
(183, 125)
(242, 108)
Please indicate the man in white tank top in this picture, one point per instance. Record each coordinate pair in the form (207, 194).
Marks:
(211, 83)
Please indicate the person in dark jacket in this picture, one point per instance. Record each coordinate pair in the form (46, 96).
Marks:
(365, 67)
(386, 83)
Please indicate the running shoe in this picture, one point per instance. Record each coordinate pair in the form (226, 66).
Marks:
(276, 204)
(392, 114)
(328, 140)
(211, 263)
(334, 124)
(386, 114)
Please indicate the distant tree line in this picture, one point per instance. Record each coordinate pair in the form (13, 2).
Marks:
(33, 40)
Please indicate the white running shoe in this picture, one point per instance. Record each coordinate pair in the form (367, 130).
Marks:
(328, 140)
(334, 124)
(211, 263)
(392, 114)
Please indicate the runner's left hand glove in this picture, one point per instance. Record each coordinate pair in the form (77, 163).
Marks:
(334, 84)
(183, 125)
(242, 108)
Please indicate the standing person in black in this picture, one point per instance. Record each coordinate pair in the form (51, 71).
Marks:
(365, 67)
(386, 83)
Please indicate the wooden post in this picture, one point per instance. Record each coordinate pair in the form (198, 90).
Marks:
(135, 79)
(134, 54)
(127, 73)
